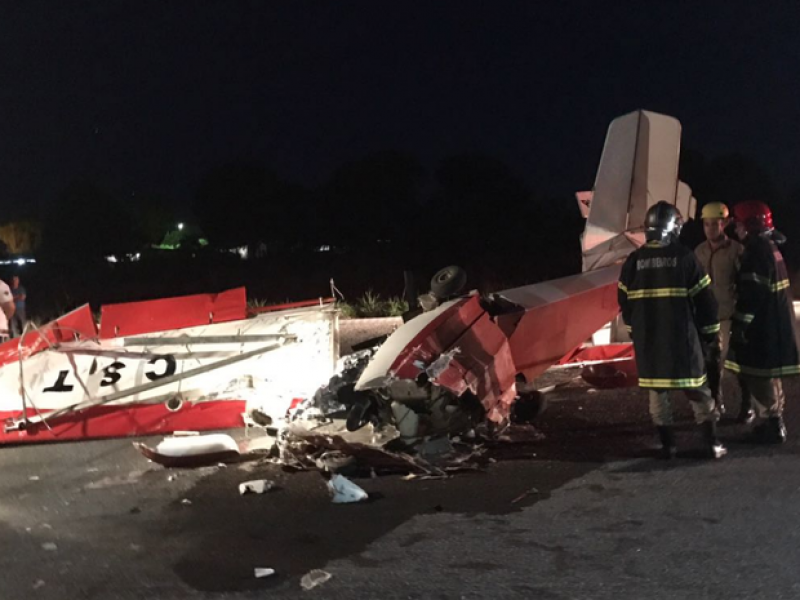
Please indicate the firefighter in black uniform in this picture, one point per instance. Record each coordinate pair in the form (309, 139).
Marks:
(763, 345)
(670, 310)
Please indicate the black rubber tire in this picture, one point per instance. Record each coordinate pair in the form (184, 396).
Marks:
(360, 413)
(448, 282)
(528, 408)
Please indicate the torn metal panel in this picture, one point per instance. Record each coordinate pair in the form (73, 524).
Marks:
(136, 318)
(76, 325)
(414, 337)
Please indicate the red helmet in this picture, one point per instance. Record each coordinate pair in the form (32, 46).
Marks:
(754, 215)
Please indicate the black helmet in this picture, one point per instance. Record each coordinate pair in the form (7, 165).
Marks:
(662, 223)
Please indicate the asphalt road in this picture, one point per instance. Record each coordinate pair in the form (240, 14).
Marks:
(584, 513)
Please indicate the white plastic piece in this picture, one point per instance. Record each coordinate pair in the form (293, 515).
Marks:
(256, 486)
(263, 572)
(196, 445)
(314, 578)
(49, 546)
(345, 491)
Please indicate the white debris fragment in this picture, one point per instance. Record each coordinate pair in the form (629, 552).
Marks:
(172, 477)
(345, 491)
(263, 572)
(314, 578)
(440, 365)
(49, 546)
(256, 486)
(33, 478)
(186, 502)
(334, 460)
(194, 445)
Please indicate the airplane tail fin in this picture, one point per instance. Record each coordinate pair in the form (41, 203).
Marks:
(638, 168)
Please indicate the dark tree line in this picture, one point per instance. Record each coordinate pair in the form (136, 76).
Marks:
(387, 207)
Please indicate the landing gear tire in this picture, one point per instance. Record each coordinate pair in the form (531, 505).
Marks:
(448, 282)
(529, 407)
(362, 412)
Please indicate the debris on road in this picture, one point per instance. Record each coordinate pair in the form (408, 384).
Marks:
(49, 546)
(256, 486)
(111, 481)
(33, 478)
(345, 491)
(186, 502)
(260, 572)
(192, 451)
(314, 578)
(524, 495)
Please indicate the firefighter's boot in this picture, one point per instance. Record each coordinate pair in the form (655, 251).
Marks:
(713, 447)
(746, 413)
(667, 438)
(775, 431)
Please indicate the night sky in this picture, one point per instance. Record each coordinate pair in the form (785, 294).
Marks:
(147, 96)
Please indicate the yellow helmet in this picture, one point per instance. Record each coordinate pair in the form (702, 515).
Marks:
(715, 210)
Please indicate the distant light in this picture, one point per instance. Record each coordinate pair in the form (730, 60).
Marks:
(180, 226)
(324, 248)
(111, 258)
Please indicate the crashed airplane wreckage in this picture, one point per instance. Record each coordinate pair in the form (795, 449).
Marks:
(474, 356)
(199, 363)
(188, 363)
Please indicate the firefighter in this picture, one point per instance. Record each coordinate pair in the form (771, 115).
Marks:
(763, 345)
(670, 310)
(720, 257)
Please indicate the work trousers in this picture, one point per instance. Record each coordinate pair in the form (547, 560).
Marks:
(700, 399)
(767, 394)
(716, 371)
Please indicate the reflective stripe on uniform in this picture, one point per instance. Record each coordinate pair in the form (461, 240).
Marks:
(622, 287)
(765, 281)
(756, 372)
(658, 293)
(781, 285)
(710, 328)
(743, 317)
(629, 329)
(701, 285)
(672, 383)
